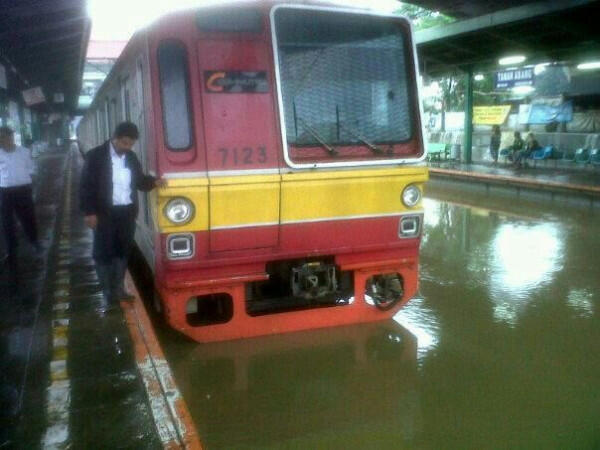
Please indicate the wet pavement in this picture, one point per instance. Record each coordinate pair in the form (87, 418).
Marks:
(499, 349)
(69, 377)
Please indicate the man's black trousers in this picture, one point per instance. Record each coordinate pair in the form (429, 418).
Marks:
(17, 201)
(113, 238)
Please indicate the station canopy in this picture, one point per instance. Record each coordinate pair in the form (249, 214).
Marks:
(46, 41)
(543, 31)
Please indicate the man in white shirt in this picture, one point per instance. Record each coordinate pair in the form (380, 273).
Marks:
(110, 179)
(16, 196)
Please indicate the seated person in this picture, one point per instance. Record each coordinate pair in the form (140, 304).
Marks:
(531, 145)
(517, 146)
(517, 150)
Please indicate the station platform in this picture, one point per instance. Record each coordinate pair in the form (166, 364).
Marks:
(557, 184)
(72, 373)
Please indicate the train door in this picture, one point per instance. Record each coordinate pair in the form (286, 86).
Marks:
(241, 149)
(138, 117)
(140, 120)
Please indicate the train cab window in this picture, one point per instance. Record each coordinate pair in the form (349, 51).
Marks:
(238, 20)
(344, 78)
(175, 94)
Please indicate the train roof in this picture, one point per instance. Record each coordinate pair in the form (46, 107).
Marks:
(268, 4)
(265, 5)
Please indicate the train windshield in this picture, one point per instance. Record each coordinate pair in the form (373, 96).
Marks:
(344, 81)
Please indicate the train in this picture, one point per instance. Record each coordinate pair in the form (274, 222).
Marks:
(290, 137)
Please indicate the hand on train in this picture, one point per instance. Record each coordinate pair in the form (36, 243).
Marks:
(91, 221)
(160, 183)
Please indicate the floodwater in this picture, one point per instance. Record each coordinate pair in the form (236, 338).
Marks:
(499, 350)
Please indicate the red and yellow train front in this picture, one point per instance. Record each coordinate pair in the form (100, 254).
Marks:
(289, 136)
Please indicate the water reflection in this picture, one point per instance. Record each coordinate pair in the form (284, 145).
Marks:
(344, 387)
(581, 301)
(524, 257)
(505, 254)
(13, 356)
(422, 322)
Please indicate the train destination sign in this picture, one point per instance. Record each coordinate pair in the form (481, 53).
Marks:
(514, 77)
(235, 82)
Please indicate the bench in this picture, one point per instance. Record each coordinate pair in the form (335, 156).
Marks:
(435, 151)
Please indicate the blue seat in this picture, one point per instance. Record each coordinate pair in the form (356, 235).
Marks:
(543, 153)
(595, 156)
(582, 156)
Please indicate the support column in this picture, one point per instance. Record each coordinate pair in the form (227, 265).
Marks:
(468, 138)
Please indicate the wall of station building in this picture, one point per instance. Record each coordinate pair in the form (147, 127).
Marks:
(30, 124)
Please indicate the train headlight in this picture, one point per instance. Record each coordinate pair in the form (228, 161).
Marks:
(411, 195)
(179, 210)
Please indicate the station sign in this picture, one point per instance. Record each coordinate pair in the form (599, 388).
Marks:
(507, 79)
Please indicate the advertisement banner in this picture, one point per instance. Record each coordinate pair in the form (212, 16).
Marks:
(524, 114)
(543, 113)
(490, 115)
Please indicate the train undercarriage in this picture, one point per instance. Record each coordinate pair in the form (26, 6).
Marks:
(289, 295)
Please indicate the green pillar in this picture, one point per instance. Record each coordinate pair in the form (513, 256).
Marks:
(468, 141)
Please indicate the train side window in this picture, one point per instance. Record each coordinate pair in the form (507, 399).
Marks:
(125, 106)
(113, 115)
(98, 128)
(175, 95)
(106, 119)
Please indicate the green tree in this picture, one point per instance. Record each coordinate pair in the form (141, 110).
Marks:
(452, 86)
(423, 18)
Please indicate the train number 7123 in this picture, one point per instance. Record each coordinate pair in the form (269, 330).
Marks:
(247, 155)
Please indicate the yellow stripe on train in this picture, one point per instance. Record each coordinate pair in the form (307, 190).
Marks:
(250, 200)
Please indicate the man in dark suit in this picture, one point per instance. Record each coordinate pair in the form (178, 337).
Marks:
(111, 177)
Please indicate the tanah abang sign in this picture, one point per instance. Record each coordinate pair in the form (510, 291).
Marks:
(507, 79)
(490, 115)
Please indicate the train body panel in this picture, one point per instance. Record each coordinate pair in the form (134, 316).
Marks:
(288, 135)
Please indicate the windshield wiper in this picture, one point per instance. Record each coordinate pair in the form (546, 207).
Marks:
(355, 135)
(332, 151)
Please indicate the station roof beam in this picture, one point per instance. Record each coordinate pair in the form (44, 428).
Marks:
(544, 31)
(46, 41)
